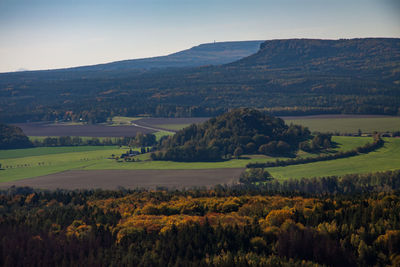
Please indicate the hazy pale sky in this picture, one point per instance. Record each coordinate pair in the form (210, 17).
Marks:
(46, 34)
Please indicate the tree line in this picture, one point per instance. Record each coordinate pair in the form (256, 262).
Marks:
(12, 137)
(140, 140)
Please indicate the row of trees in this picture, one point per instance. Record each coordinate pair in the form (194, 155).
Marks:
(12, 137)
(377, 143)
(319, 142)
(140, 140)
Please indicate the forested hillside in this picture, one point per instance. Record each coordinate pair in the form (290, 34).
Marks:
(233, 134)
(296, 76)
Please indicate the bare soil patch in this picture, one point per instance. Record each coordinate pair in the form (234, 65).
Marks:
(45, 129)
(113, 179)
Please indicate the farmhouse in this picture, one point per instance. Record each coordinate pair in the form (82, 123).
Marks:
(130, 153)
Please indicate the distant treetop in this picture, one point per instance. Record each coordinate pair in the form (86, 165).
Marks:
(12, 137)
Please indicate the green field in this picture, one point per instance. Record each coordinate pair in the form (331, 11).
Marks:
(41, 151)
(349, 125)
(26, 163)
(344, 143)
(160, 134)
(32, 166)
(120, 121)
(383, 159)
(175, 127)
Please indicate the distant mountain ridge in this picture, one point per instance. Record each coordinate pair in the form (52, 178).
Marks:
(344, 54)
(284, 77)
(205, 54)
(216, 53)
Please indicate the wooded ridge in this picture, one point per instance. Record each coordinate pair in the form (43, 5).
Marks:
(294, 76)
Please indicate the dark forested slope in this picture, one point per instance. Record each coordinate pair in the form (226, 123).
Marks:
(296, 76)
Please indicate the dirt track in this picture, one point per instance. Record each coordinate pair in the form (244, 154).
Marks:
(112, 179)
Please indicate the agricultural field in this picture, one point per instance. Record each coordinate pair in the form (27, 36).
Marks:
(119, 120)
(114, 179)
(84, 138)
(172, 121)
(42, 151)
(173, 127)
(97, 130)
(43, 161)
(172, 124)
(122, 126)
(347, 123)
(383, 159)
(161, 134)
(34, 162)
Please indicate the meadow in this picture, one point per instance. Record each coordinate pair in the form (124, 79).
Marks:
(32, 162)
(173, 127)
(120, 120)
(383, 159)
(41, 151)
(49, 160)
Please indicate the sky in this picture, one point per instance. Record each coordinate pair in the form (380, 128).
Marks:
(48, 34)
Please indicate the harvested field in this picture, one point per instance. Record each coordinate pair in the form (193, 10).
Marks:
(46, 129)
(349, 124)
(112, 179)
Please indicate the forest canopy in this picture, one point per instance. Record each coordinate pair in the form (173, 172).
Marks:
(349, 221)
